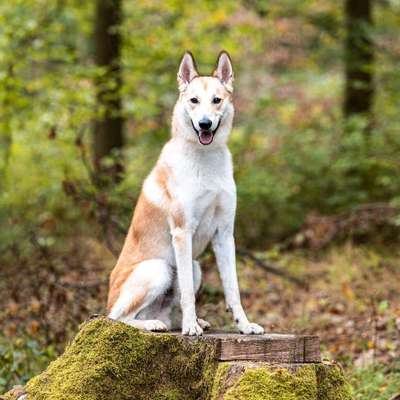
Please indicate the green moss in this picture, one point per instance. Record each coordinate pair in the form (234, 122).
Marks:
(241, 381)
(332, 384)
(220, 380)
(8, 396)
(271, 384)
(110, 360)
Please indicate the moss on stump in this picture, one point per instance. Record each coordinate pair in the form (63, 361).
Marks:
(259, 381)
(110, 360)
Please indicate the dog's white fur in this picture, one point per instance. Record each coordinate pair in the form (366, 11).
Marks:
(188, 200)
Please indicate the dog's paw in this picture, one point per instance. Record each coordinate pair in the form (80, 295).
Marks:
(203, 324)
(251, 329)
(193, 329)
(155, 325)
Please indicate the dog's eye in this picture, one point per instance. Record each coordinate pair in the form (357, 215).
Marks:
(216, 100)
(194, 100)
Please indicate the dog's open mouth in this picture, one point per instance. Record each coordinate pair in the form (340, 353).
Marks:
(206, 137)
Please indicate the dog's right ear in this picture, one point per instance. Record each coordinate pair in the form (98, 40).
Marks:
(187, 70)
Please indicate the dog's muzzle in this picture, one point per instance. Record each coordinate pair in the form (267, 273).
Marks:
(205, 136)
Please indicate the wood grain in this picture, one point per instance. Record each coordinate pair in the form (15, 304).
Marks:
(271, 348)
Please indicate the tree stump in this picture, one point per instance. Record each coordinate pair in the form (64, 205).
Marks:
(270, 348)
(110, 360)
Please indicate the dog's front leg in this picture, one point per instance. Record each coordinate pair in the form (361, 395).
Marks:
(182, 243)
(224, 248)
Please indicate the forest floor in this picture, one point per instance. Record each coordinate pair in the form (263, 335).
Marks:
(352, 302)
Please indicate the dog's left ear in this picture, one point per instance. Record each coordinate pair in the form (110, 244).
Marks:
(224, 71)
(187, 70)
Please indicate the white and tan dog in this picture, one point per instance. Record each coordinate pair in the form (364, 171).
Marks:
(188, 200)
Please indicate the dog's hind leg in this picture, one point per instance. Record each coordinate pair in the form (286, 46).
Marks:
(147, 284)
(196, 276)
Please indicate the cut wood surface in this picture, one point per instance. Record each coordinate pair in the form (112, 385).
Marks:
(271, 348)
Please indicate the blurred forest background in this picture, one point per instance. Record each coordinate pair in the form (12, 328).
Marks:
(86, 94)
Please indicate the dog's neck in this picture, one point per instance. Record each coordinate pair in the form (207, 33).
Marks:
(196, 150)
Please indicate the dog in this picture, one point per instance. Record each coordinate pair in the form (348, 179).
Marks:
(187, 201)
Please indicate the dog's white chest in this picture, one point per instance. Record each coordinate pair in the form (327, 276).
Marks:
(201, 185)
(204, 222)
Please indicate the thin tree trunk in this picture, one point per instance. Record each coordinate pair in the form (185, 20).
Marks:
(108, 133)
(359, 58)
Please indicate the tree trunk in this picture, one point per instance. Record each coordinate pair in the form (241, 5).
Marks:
(111, 360)
(108, 126)
(359, 58)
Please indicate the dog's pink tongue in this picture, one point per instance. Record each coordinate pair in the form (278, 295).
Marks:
(205, 137)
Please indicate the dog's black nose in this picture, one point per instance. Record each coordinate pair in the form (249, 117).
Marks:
(205, 124)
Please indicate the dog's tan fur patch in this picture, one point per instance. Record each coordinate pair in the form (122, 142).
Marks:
(147, 236)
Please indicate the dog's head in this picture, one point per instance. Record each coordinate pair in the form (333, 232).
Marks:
(204, 111)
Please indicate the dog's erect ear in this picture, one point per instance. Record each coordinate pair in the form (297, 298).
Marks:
(187, 70)
(224, 71)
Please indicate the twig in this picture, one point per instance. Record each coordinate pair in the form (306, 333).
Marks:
(271, 268)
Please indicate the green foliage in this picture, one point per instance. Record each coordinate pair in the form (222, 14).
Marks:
(317, 169)
(22, 359)
(375, 383)
(290, 155)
